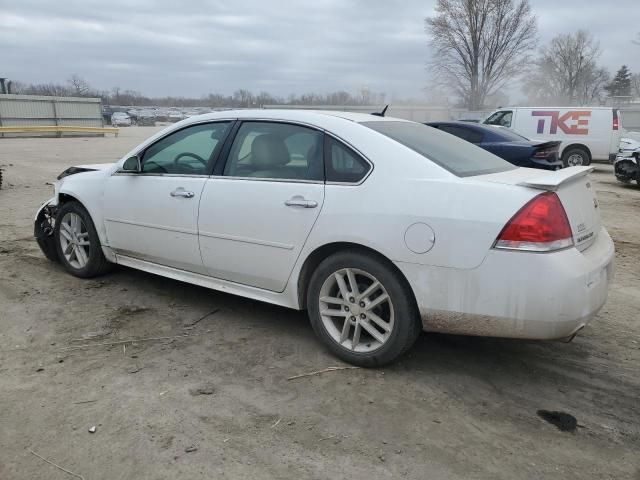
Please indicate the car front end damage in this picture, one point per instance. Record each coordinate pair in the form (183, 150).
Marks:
(626, 165)
(45, 218)
(43, 228)
(626, 168)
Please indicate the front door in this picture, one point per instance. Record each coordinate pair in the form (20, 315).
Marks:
(256, 215)
(153, 215)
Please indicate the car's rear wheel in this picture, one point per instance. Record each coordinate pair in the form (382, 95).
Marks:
(361, 308)
(574, 157)
(77, 242)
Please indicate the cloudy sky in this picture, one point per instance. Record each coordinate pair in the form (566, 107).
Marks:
(194, 47)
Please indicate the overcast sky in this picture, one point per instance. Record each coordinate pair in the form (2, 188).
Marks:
(194, 47)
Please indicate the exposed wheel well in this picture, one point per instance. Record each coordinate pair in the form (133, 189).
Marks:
(65, 197)
(577, 145)
(318, 255)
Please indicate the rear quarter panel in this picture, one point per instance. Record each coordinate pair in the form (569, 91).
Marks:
(466, 215)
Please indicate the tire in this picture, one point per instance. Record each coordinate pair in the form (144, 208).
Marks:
(570, 157)
(395, 320)
(91, 262)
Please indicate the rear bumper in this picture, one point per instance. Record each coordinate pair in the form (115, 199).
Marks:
(516, 294)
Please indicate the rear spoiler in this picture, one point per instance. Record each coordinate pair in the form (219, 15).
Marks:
(552, 181)
(543, 145)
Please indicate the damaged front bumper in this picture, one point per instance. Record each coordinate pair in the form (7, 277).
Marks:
(626, 169)
(43, 229)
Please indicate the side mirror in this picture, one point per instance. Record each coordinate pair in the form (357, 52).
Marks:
(132, 165)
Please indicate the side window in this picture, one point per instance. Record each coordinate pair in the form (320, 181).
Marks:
(187, 151)
(464, 133)
(506, 119)
(276, 150)
(342, 164)
(503, 119)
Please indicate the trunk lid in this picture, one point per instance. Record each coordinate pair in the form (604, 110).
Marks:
(573, 187)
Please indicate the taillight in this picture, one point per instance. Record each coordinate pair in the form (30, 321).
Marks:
(545, 153)
(540, 226)
(616, 123)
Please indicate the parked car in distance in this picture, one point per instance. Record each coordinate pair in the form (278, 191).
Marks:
(378, 227)
(175, 116)
(120, 119)
(626, 166)
(506, 144)
(146, 118)
(586, 133)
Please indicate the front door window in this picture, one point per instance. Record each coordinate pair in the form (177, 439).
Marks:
(186, 152)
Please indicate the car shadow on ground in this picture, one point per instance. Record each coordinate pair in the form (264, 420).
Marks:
(432, 352)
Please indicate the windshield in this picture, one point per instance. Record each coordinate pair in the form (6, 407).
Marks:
(453, 154)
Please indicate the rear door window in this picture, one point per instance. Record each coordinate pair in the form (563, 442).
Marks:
(273, 150)
(342, 164)
(453, 154)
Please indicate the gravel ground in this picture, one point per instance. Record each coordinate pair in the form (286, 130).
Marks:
(209, 396)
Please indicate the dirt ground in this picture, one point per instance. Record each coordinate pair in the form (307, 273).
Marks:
(210, 397)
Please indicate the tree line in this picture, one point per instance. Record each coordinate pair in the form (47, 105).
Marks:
(480, 46)
(77, 86)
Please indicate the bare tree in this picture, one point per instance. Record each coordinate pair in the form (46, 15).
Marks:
(480, 45)
(567, 72)
(79, 85)
(243, 98)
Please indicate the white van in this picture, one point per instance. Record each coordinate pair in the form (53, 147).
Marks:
(586, 133)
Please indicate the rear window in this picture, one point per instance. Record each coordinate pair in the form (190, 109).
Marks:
(509, 135)
(453, 154)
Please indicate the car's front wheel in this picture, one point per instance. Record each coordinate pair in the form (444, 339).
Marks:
(77, 242)
(362, 309)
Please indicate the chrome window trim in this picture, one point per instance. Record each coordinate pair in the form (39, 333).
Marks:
(276, 180)
(181, 175)
(259, 119)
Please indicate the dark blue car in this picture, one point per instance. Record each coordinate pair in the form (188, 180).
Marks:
(506, 144)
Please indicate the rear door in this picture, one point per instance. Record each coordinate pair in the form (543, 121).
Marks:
(258, 209)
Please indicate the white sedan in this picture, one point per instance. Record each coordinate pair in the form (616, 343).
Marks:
(378, 227)
(120, 119)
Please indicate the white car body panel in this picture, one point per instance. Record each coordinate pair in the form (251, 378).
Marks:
(237, 236)
(247, 233)
(591, 127)
(164, 230)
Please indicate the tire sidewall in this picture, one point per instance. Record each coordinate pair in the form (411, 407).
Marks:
(586, 159)
(405, 313)
(95, 250)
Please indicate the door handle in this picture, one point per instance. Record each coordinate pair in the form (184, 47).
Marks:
(298, 201)
(181, 192)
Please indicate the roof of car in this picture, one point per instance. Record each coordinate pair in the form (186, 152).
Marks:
(301, 115)
(477, 126)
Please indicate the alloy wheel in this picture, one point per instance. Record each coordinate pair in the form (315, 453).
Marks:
(356, 310)
(74, 240)
(575, 160)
